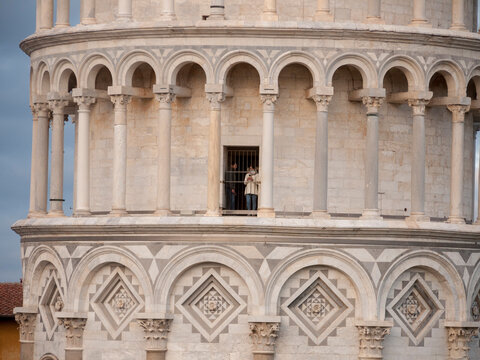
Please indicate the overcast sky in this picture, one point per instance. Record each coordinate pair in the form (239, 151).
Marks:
(17, 21)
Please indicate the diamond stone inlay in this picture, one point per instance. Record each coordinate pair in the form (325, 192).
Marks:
(416, 309)
(210, 305)
(116, 302)
(50, 303)
(317, 307)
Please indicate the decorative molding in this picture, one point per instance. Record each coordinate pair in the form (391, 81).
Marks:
(458, 112)
(263, 336)
(156, 332)
(27, 322)
(84, 102)
(165, 99)
(458, 339)
(371, 338)
(372, 104)
(74, 327)
(215, 99)
(57, 106)
(322, 102)
(42, 109)
(120, 101)
(418, 106)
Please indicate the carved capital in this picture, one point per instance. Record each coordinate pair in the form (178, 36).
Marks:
(458, 339)
(263, 336)
(84, 102)
(215, 99)
(74, 331)
(165, 99)
(371, 341)
(120, 101)
(322, 102)
(41, 109)
(458, 112)
(269, 100)
(156, 332)
(58, 106)
(418, 106)
(26, 322)
(372, 104)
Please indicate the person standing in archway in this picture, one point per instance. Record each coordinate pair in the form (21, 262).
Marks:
(251, 188)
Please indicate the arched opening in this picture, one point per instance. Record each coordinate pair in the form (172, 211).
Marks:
(68, 81)
(438, 85)
(143, 76)
(103, 79)
(45, 83)
(473, 89)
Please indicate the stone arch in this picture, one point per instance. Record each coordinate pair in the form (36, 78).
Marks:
(327, 257)
(40, 257)
(48, 356)
(61, 74)
(297, 57)
(359, 62)
(175, 63)
(43, 79)
(409, 67)
(474, 75)
(453, 75)
(90, 67)
(208, 254)
(473, 288)
(437, 264)
(91, 262)
(236, 57)
(129, 63)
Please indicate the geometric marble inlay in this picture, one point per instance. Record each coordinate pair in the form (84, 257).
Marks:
(416, 309)
(50, 302)
(116, 303)
(210, 305)
(317, 307)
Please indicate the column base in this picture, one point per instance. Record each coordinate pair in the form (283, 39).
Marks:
(73, 354)
(456, 220)
(168, 17)
(156, 354)
(216, 17)
(123, 18)
(323, 16)
(371, 214)
(266, 213)
(420, 23)
(458, 27)
(320, 214)
(269, 16)
(420, 217)
(375, 20)
(81, 213)
(213, 213)
(88, 21)
(263, 355)
(36, 214)
(56, 213)
(118, 212)
(57, 26)
(162, 212)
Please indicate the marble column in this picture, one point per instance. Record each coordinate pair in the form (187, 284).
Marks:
(457, 163)
(371, 210)
(371, 337)
(124, 10)
(214, 143)
(374, 14)
(164, 153)
(263, 335)
(46, 14)
(168, 10)
(87, 10)
(458, 339)
(32, 210)
(74, 328)
(419, 14)
(320, 176)
(478, 182)
(27, 322)
(41, 158)
(458, 15)
(270, 10)
(217, 10)
(82, 172)
(38, 16)
(265, 208)
(323, 11)
(156, 336)
(417, 210)
(56, 166)
(119, 190)
(63, 13)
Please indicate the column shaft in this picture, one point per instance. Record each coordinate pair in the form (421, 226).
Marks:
(458, 15)
(82, 172)
(156, 354)
(56, 171)
(164, 156)
(323, 11)
(457, 163)
(168, 10)
(63, 13)
(46, 14)
(27, 324)
(33, 207)
(41, 160)
(119, 191)
(266, 166)
(320, 177)
(419, 14)
(374, 10)
(214, 141)
(88, 12)
(38, 16)
(270, 10)
(217, 10)
(478, 183)
(124, 10)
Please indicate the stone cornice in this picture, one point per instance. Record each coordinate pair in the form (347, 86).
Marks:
(395, 233)
(383, 33)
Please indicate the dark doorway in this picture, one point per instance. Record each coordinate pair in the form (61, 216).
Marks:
(243, 157)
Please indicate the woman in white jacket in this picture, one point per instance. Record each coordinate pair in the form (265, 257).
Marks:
(251, 188)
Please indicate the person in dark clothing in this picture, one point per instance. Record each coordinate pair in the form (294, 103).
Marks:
(230, 179)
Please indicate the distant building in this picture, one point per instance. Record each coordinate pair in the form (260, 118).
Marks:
(11, 296)
(361, 117)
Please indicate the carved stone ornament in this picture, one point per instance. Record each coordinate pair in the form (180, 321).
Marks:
(263, 336)
(418, 106)
(322, 102)
(26, 322)
(371, 341)
(74, 331)
(41, 109)
(120, 101)
(58, 106)
(458, 339)
(156, 332)
(215, 100)
(84, 102)
(165, 98)
(372, 103)
(458, 112)
(269, 100)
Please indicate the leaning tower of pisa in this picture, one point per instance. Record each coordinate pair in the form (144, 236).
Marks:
(358, 119)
